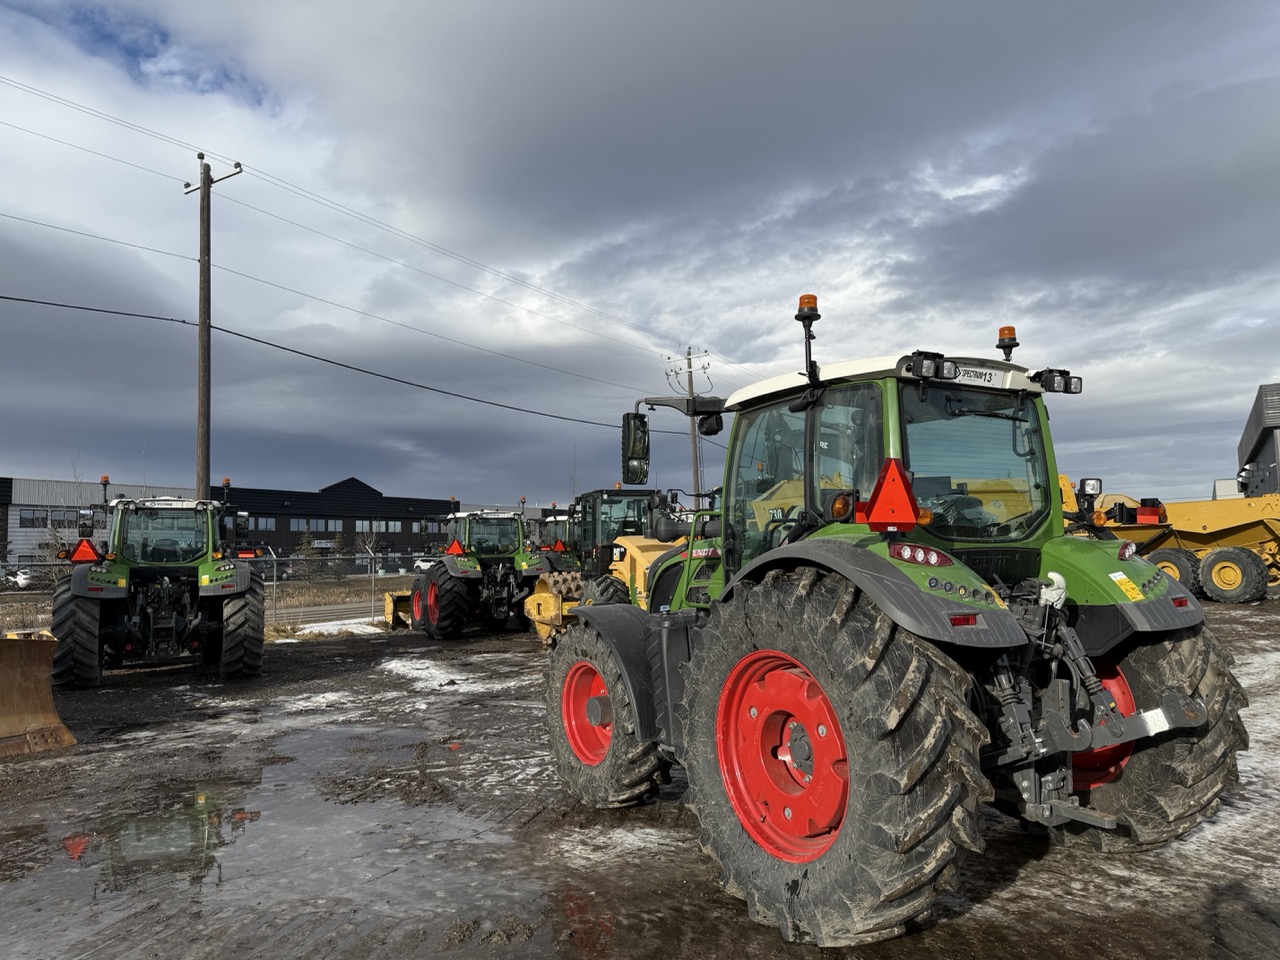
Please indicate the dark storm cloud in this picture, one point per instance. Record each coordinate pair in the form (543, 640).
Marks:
(1098, 173)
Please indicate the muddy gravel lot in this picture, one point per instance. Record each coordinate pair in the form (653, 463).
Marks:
(381, 795)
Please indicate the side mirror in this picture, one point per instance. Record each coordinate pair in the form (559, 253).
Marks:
(242, 525)
(635, 448)
(86, 525)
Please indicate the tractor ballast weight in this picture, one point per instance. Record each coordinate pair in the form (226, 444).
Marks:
(893, 627)
(29, 721)
(164, 585)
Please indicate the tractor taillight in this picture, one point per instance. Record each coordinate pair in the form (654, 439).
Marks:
(1127, 550)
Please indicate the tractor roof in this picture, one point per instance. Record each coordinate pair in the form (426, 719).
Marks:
(1009, 376)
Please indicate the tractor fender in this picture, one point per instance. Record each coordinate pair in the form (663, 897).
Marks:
(622, 627)
(220, 588)
(924, 614)
(450, 564)
(101, 590)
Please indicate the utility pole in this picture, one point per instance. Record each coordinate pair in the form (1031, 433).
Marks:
(694, 447)
(203, 338)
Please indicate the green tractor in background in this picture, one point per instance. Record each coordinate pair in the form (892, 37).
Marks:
(481, 576)
(898, 630)
(164, 585)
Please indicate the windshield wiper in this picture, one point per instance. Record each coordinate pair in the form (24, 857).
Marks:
(995, 414)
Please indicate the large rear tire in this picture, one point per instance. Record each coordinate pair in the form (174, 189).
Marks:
(418, 604)
(445, 604)
(77, 659)
(1234, 575)
(1161, 787)
(591, 727)
(1182, 565)
(832, 760)
(243, 629)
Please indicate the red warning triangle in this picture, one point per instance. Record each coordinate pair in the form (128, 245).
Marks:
(84, 552)
(455, 549)
(892, 506)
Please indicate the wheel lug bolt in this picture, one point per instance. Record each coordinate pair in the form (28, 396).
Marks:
(786, 812)
(822, 730)
(752, 712)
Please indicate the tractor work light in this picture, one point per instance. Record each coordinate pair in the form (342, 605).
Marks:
(1057, 381)
(1128, 550)
(932, 366)
(1090, 487)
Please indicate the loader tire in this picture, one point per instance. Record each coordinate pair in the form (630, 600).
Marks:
(77, 660)
(445, 604)
(1233, 575)
(832, 760)
(602, 763)
(1160, 787)
(243, 628)
(605, 590)
(1182, 565)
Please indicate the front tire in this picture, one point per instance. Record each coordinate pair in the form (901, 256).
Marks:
(243, 629)
(590, 724)
(77, 659)
(1163, 786)
(832, 760)
(605, 590)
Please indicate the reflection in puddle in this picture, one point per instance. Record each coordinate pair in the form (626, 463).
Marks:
(180, 841)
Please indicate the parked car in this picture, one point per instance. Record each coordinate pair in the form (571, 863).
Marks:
(18, 579)
(422, 563)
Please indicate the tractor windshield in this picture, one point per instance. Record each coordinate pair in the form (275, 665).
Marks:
(623, 517)
(149, 535)
(977, 460)
(494, 534)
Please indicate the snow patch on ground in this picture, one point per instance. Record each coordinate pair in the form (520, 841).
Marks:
(346, 628)
(593, 847)
(469, 678)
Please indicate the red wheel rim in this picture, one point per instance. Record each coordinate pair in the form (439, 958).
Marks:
(433, 602)
(782, 756)
(417, 604)
(590, 743)
(1092, 768)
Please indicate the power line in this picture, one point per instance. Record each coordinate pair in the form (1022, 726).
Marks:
(335, 304)
(326, 360)
(306, 194)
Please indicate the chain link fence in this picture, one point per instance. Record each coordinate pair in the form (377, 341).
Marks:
(298, 590)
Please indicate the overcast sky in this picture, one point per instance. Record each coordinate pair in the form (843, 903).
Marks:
(544, 204)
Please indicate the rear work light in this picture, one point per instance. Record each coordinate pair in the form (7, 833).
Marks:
(1057, 381)
(914, 553)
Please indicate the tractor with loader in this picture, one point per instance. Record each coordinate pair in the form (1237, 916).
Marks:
(606, 548)
(481, 577)
(163, 586)
(903, 632)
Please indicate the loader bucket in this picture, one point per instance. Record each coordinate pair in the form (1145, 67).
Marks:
(28, 720)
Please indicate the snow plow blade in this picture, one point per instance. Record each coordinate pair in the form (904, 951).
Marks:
(29, 722)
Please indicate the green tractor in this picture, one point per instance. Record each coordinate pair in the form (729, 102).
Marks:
(584, 560)
(163, 586)
(480, 578)
(903, 632)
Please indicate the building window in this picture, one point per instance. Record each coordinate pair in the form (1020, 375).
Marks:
(362, 526)
(262, 523)
(33, 518)
(64, 519)
(393, 526)
(415, 526)
(297, 524)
